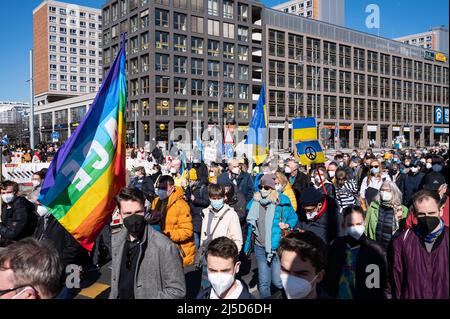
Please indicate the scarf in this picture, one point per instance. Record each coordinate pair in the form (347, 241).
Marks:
(431, 237)
(253, 216)
(321, 212)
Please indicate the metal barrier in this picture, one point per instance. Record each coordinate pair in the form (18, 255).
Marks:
(21, 173)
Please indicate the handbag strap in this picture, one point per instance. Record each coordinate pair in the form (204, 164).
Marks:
(281, 214)
(208, 239)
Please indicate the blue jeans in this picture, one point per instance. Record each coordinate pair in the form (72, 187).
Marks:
(268, 273)
(197, 240)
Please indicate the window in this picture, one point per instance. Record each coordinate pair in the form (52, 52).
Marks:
(180, 4)
(313, 50)
(162, 40)
(145, 63)
(385, 64)
(228, 70)
(228, 90)
(196, 45)
(196, 87)
(52, 48)
(243, 111)
(197, 66)
(161, 62)
(145, 22)
(213, 68)
(213, 48)
(276, 73)
(329, 107)
(52, 58)
(345, 82)
(180, 43)
(213, 27)
(228, 30)
(213, 88)
(295, 75)
(181, 107)
(53, 77)
(276, 43)
(242, 12)
(162, 84)
(242, 34)
(329, 53)
(242, 53)
(372, 86)
(145, 85)
(228, 50)
(213, 7)
(213, 110)
(407, 68)
(180, 86)
(372, 62)
(134, 44)
(295, 47)
(179, 21)
(197, 108)
(134, 24)
(243, 72)
(397, 66)
(196, 24)
(162, 107)
(359, 84)
(180, 64)
(52, 9)
(197, 5)
(228, 10)
(243, 91)
(145, 41)
(277, 103)
(359, 59)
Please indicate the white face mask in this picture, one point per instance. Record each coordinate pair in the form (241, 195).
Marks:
(319, 178)
(278, 188)
(36, 183)
(311, 215)
(236, 171)
(296, 287)
(287, 170)
(429, 165)
(356, 231)
(331, 173)
(220, 282)
(41, 210)
(414, 169)
(8, 198)
(21, 292)
(264, 193)
(386, 196)
(173, 170)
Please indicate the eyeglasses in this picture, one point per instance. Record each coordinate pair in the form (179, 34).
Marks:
(265, 187)
(4, 292)
(374, 166)
(342, 178)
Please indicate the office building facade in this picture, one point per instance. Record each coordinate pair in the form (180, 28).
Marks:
(67, 51)
(331, 11)
(14, 117)
(436, 39)
(192, 61)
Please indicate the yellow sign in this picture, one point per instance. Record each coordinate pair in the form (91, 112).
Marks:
(162, 127)
(440, 57)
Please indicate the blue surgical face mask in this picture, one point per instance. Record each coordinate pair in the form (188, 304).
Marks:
(375, 170)
(162, 194)
(437, 168)
(217, 204)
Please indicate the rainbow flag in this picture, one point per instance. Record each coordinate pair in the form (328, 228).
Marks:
(257, 133)
(304, 129)
(89, 169)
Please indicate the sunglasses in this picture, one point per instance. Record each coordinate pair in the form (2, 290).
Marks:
(374, 166)
(265, 187)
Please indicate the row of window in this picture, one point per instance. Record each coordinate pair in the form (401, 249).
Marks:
(228, 8)
(61, 117)
(72, 88)
(53, 57)
(294, 104)
(72, 32)
(198, 87)
(329, 53)
(74, 13)
(92, 35)
(75, 23)
(179, 107)
(63, 68)
(73, 78)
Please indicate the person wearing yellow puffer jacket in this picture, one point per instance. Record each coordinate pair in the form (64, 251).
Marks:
(176, 218)
(282, 185)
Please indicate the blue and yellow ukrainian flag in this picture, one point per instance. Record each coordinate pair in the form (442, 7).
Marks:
(257, 133)
(310, 152)
(304, 129)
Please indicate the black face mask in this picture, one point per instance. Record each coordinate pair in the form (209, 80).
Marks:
(428, 223)
(394, 171)
(135, 224)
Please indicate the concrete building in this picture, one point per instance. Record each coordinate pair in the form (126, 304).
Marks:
(67, 51)
(436, 39)
(14, 117)
(62, 117)
(331, 11)
(192, 61)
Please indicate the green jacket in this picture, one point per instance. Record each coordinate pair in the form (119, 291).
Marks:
(372, 219)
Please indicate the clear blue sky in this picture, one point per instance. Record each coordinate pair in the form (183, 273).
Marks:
(398, 17)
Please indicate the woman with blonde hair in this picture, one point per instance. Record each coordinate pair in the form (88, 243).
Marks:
(371, 184)
(386, 214)
(283, 186)
(214, 172)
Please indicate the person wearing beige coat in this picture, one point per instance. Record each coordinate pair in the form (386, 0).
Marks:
(228, 225)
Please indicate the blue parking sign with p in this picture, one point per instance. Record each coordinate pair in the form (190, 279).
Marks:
(446, 115)
(438, 116)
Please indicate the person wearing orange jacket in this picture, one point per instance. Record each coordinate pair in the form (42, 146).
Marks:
(175, 217)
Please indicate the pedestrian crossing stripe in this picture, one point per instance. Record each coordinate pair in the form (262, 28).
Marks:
(94, 290)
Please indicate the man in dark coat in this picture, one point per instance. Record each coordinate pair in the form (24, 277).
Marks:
(143, 183)
(419, 255)
(298, 180)
(348, 261)
(319, 214)
(413, 182)
(241, 179)
(18, 218)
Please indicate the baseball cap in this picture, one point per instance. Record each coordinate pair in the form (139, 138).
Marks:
(433, 181)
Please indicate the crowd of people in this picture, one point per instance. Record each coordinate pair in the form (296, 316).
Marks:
(363, 225)
(18, 153)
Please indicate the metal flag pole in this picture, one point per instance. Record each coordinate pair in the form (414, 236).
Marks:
(31, 128)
